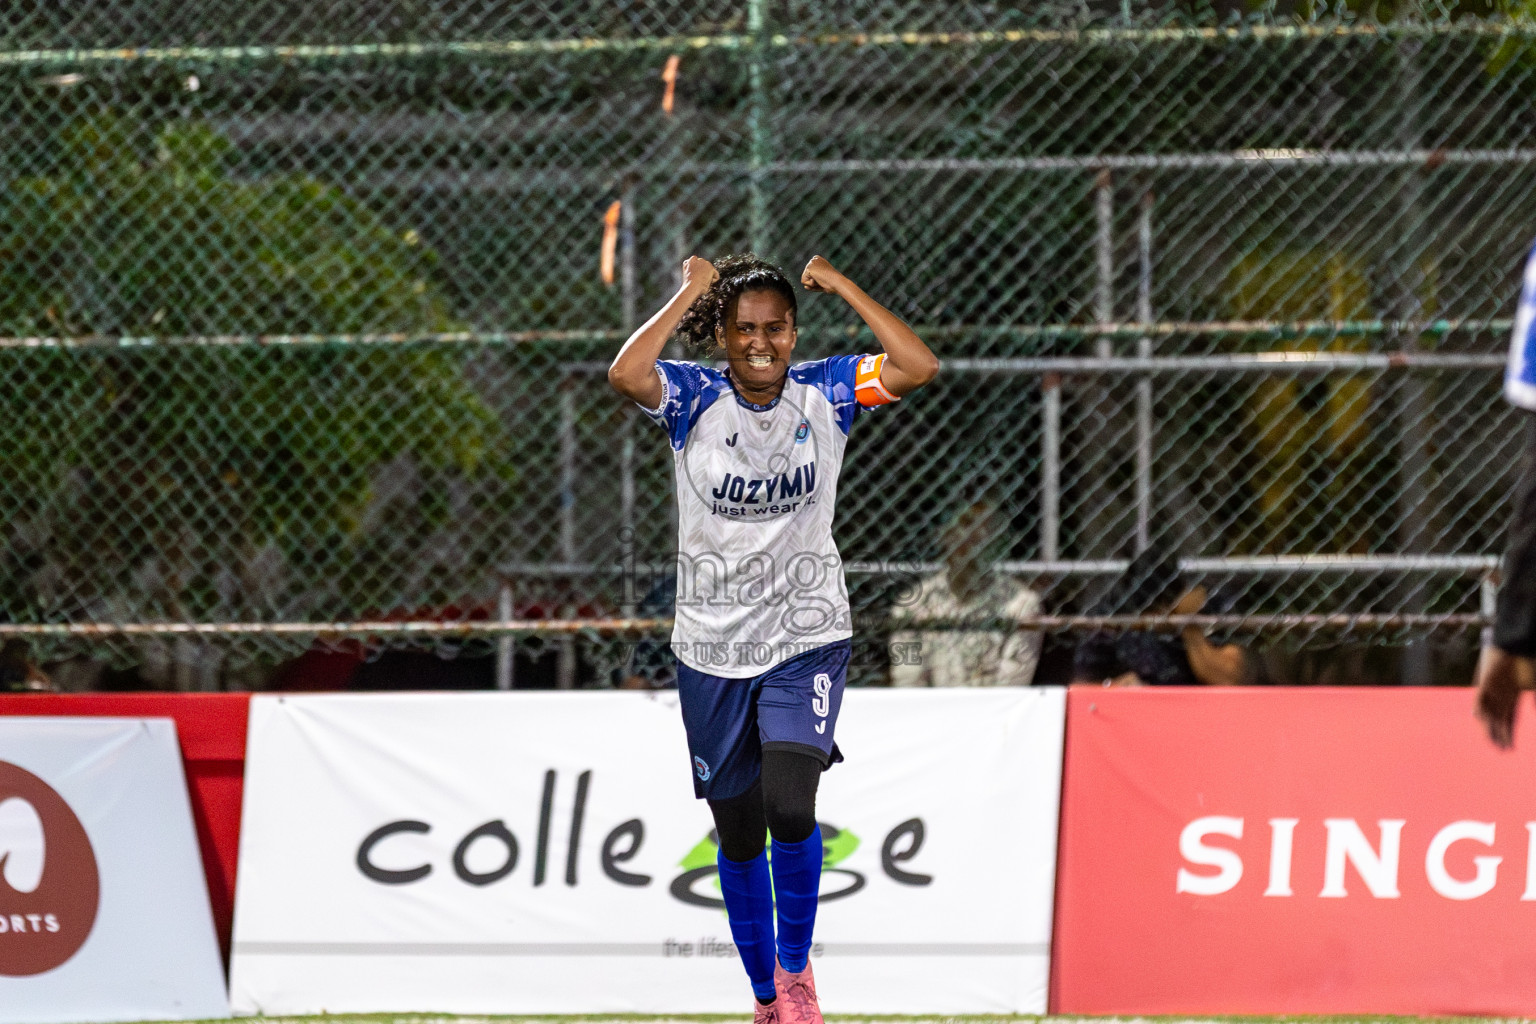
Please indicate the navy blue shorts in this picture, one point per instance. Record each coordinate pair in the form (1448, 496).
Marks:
(730, 722)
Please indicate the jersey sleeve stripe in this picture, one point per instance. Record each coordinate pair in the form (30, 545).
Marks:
(666, 395)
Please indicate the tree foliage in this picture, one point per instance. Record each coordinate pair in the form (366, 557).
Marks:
(212, 480)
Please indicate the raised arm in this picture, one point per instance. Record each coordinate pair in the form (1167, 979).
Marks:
(909, 364)
(633, 373)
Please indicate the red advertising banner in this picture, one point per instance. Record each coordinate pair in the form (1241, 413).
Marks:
(1279, 851)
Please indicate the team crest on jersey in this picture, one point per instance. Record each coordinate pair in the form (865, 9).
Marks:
(802, 432)
(701, 769)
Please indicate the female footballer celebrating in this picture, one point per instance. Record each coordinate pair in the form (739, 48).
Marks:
(762, 631)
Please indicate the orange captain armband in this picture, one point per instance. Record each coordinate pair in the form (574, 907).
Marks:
(867, 388)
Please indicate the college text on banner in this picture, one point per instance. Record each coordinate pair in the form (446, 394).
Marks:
(543, 853)
(1309, 851)
(104, 911)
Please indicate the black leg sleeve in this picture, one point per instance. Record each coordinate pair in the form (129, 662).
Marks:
(740, 826)
(789, 794)
(1514, 627)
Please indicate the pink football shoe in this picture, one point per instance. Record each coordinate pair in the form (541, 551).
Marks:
(767, 1014)
(797, 993)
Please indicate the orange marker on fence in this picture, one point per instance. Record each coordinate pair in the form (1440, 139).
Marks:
(610, 239)
(669, 75)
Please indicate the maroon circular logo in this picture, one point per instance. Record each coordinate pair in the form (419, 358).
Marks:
(49, 887)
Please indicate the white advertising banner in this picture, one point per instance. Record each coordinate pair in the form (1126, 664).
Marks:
(104, 910)
(543, 853)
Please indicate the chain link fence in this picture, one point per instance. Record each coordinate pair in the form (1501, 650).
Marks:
(305, 308)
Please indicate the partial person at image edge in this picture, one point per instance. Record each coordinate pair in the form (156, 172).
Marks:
(1506, 665)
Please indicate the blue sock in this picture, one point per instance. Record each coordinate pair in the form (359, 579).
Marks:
(748, 894)
(796, 880)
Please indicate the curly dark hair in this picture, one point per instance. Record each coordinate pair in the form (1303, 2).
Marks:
(1151, 583)
(740, 273)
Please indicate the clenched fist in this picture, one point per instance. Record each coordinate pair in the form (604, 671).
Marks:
(820, 276)
(698, 275)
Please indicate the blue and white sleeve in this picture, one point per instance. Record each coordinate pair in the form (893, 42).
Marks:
(682, 387)
(854, 385)
(1520, 377)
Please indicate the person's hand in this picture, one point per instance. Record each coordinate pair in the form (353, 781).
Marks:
(1499, 680)
(820, 276)
(698, 275)
(1191, 603)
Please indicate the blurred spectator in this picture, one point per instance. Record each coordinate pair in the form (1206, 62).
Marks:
(968, 587)
(1508, 661)
(1152, 586)
(17, 672)
(651, 664)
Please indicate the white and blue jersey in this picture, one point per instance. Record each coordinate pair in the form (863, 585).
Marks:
(1520, 377)
(759, 578)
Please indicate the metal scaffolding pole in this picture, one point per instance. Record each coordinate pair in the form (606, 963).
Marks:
(1416, 477)
(627, 515)
(1100, 451)
(505, 644)
(1097, 36)
(1484, 566)
(566, 669)
(628, 296)
(1104, 252)
(757, 119)
(626, 432)
(1255, 362)
(1050, 467)
(1144, 384)
(1274, 329)
(1256, 160)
